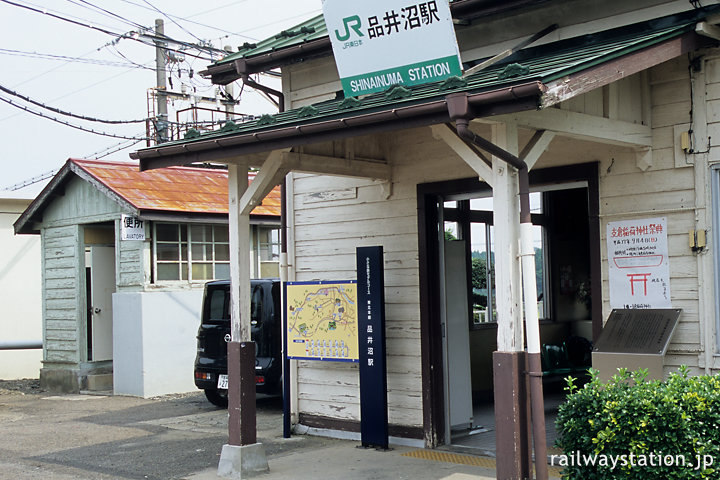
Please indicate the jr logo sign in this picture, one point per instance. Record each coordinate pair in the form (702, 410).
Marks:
(350, 23)
(419, 33)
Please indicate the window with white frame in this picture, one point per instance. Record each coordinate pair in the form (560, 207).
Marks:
(716, 239)
(191, 252)
(269, 244)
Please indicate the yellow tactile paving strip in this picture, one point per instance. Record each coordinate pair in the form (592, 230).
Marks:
(475, 461)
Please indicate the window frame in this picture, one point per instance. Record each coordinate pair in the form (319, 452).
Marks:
(187, 246)
(715, 198)
(462, 213)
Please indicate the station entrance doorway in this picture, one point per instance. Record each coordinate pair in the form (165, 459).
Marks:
(464, 304)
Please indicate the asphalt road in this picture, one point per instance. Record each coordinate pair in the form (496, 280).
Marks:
(63, 437)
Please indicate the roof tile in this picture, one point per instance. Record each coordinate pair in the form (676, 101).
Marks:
(173, 189)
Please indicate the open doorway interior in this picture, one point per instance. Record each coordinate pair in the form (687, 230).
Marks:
(563, 271)
(99, 285)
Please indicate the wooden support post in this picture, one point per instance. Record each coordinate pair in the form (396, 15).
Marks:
(242, 455)
(511, 410)
(239, 225)
(506, 217)
(511, 416)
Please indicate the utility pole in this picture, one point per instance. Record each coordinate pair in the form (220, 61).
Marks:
(230, 90)
(161, 125)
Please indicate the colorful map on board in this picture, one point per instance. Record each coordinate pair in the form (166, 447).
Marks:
(322, 321)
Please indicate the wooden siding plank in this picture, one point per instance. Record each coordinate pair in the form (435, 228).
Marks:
(672, 70)
(61, 294)
(60, 345)
(671, 92)
(61, 304)
(662, 138)
(671, 114)
(648, 202)
(335, 231)
(392, 243)
(332, 214)
(65, 335)
(658, 182)
(64, 323)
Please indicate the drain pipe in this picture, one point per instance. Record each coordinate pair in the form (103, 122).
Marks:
(461, 112)
(21, 344)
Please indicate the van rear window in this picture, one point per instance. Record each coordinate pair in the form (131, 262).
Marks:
(218, 307)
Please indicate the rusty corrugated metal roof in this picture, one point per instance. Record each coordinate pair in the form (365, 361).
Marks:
(173, 189)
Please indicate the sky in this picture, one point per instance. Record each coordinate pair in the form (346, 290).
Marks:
(76, 66)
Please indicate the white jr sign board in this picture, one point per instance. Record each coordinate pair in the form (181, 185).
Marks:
(639, 271)
(131, 228)
(378, 44)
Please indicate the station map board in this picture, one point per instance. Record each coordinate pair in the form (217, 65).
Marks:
(322, 321)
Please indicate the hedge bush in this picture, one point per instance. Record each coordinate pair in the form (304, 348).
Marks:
(639, 429)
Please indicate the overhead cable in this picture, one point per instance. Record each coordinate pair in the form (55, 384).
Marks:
(112, 149)
(187, 19)
(68, 124)
(92, 7)
(202, 42)
(136, 36)
(63, 112)
(91, 61)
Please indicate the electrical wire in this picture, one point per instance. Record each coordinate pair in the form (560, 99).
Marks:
(64, 19)
(202, 42)
(136, 36)
(68, 124)
(95, 8)
(112, 149)
(66, 113)
(187, 19)
(118, 53)
(91, 61)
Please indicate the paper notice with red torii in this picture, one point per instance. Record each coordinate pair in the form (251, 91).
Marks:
(639, 271)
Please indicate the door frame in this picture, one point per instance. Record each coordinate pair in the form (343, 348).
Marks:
(103, 234)
(431, 342)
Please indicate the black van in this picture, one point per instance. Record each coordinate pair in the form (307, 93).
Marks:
(214, 333)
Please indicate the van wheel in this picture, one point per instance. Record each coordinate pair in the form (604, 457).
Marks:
(217, 397)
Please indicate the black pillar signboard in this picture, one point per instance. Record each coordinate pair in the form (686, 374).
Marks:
(371, 345)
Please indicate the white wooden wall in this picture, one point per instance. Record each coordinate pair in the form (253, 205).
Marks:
(668, 188)
(330, 216)
(61, 289)
(333, 216)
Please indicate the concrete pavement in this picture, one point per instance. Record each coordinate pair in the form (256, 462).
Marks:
(68, 437)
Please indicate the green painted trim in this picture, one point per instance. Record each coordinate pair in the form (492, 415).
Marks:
(430, 71)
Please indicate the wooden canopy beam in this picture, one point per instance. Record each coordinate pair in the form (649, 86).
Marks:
(343, 167)
(271, 174)
(469, 155)
(580, 126)
(536, 147)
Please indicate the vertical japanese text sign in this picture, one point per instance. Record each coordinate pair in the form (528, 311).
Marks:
(378, 44)
(371, 342)
(639, 271)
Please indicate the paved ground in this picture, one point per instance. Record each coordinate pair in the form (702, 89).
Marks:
(64, 437)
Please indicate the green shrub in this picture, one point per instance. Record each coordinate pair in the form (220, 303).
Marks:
(639, 429)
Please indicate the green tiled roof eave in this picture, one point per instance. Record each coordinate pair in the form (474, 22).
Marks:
(621, 51)
(544, 69)
(272, 44)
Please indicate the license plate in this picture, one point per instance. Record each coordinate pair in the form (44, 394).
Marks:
(222, 382)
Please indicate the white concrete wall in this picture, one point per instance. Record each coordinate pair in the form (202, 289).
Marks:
(154, 342)
(20, 293)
